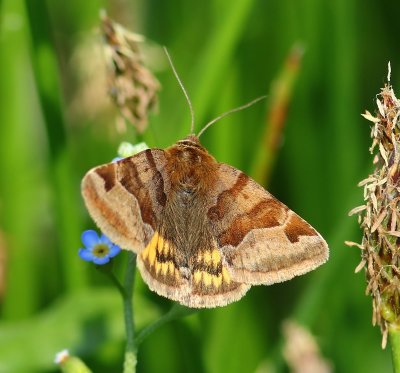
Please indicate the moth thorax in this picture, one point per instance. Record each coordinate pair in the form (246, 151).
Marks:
(190, 168)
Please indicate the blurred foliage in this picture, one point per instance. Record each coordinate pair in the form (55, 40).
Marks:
(56, 123)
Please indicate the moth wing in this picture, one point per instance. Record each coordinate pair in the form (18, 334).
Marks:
(262, 240)
(126, 198)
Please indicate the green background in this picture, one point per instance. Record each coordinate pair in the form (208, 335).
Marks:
(55, 124)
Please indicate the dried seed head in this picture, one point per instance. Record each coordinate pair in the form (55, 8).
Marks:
(380, 217)
(132, 87)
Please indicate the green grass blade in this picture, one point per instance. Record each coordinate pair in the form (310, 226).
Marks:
(65, 184)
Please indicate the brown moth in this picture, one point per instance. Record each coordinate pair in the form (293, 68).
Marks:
(204, 232)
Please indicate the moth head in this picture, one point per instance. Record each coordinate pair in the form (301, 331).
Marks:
(189, 149)
(190, 141)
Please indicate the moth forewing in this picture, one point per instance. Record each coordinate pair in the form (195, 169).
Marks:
(124, 198)
(261, 239)
(105, 209)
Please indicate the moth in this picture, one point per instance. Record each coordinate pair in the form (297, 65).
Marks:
(203, 231)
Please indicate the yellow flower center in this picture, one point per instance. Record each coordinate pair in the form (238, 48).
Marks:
(101, 250)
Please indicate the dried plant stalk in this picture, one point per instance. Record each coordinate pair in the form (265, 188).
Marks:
(132, 86)
(379, 218)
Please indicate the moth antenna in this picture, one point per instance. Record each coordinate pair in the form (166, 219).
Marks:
(183, 89)
(245, 106)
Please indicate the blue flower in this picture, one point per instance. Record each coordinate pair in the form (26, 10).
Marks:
(98, 250)
(116, 159)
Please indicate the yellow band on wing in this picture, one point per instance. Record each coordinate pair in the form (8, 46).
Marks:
(210, 279)
(210, 257)
(158, 244)
(212, 272)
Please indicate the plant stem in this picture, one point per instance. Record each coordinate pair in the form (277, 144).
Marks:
(175, 312)
(130, 350)
(115, 281)
(394, 335)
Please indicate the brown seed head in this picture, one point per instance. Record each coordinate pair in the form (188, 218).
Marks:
(379, 218)
(132, 87)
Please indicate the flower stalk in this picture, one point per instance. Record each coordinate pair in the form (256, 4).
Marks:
(130, 349)
(126, 291)
(394, 337)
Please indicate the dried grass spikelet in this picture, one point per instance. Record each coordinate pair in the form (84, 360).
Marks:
(132, 87)
(379, 218)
